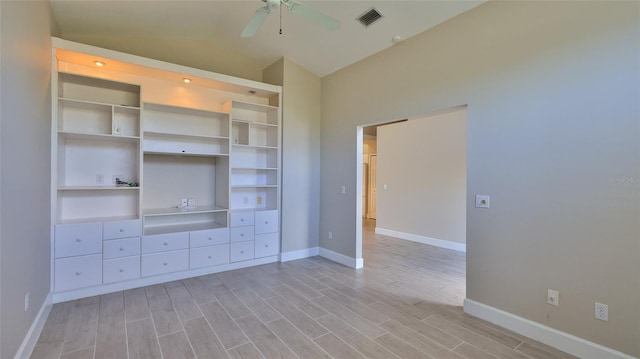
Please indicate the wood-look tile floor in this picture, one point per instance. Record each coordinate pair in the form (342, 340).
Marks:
(405, 303)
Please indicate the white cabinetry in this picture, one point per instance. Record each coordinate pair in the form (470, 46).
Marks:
(98, 140)
(197, 169)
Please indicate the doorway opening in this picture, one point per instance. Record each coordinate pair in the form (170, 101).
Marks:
(412, 180)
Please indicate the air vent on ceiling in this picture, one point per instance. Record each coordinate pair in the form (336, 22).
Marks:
(369, 17)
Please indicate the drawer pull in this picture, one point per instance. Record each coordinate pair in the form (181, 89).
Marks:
(241, 219)
(210, 238)
(122, 248)
(266, 222)
(78, 240)
(241, 252)
(121, 270)
(209, 257)
(165, 263)
(266, 246)
(121, 230)
(165, 243)
(241, 234)
(78, 273)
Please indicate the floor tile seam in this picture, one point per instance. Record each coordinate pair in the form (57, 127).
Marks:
(503, 332)
(494, 342)
(408, 344)
(155, 330)
(349, 325)
(279, 338)
(77, 350)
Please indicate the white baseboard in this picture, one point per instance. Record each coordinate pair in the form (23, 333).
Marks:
(299, 254)
(558, 339)
(30, 340)
(355, 263)
(460, 247)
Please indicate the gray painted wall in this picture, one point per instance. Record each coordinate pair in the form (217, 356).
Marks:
(553, 94)
(423, 162)
(25, 131)
(301, 102)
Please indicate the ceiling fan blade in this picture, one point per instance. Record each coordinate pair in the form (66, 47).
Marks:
(312, 15)
(256, 21)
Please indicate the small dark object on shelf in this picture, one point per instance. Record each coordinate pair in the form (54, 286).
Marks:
(120, 183)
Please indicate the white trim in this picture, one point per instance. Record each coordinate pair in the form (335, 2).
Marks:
(355, 263)
(145, 281)
(162, 65)
(31, 338)
(552, 337)
(299, 254)
(460, 247)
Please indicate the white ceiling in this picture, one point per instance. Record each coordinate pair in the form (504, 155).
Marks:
(153, 28)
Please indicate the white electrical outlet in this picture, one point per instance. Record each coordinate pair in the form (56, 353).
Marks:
(245, 200)
(602, 311)
(184, 202)
(553, 297)
(330, 235)
(26, 301)
(343, 189)
(99, 178)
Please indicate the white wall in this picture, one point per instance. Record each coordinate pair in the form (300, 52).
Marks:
(301, 153)
(423, 164)
(553, 93)
(25, 116)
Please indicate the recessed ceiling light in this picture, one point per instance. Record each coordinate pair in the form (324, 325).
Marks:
(186, 80)
(99, 63)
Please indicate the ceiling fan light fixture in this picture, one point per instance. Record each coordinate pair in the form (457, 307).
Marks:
(186, 80)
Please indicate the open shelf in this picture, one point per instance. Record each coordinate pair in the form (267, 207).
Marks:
(97, 91)
(185, 121)
(97, 188)
(182, 210)
(98, 137)
(252, 112)
(171, 222)
(185, 144)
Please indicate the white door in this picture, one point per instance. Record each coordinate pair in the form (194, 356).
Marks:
(365, 189)
(373, 169)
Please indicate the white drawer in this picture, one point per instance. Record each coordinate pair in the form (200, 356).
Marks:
(267, 245)
(209, 256)
(209, 237)
(122, 229)
(165, 242)
(267, 222)
(117, 248)
(241, 234)
(241, 251)
(119, 269)
(239, 219)
(78, 272)
(77, 239)
(159, 263)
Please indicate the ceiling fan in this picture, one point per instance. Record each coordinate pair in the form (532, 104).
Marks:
(295, 8)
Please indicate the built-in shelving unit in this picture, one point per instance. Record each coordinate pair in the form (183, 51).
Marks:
(197, 187)
(255, 156)
(98, 127)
